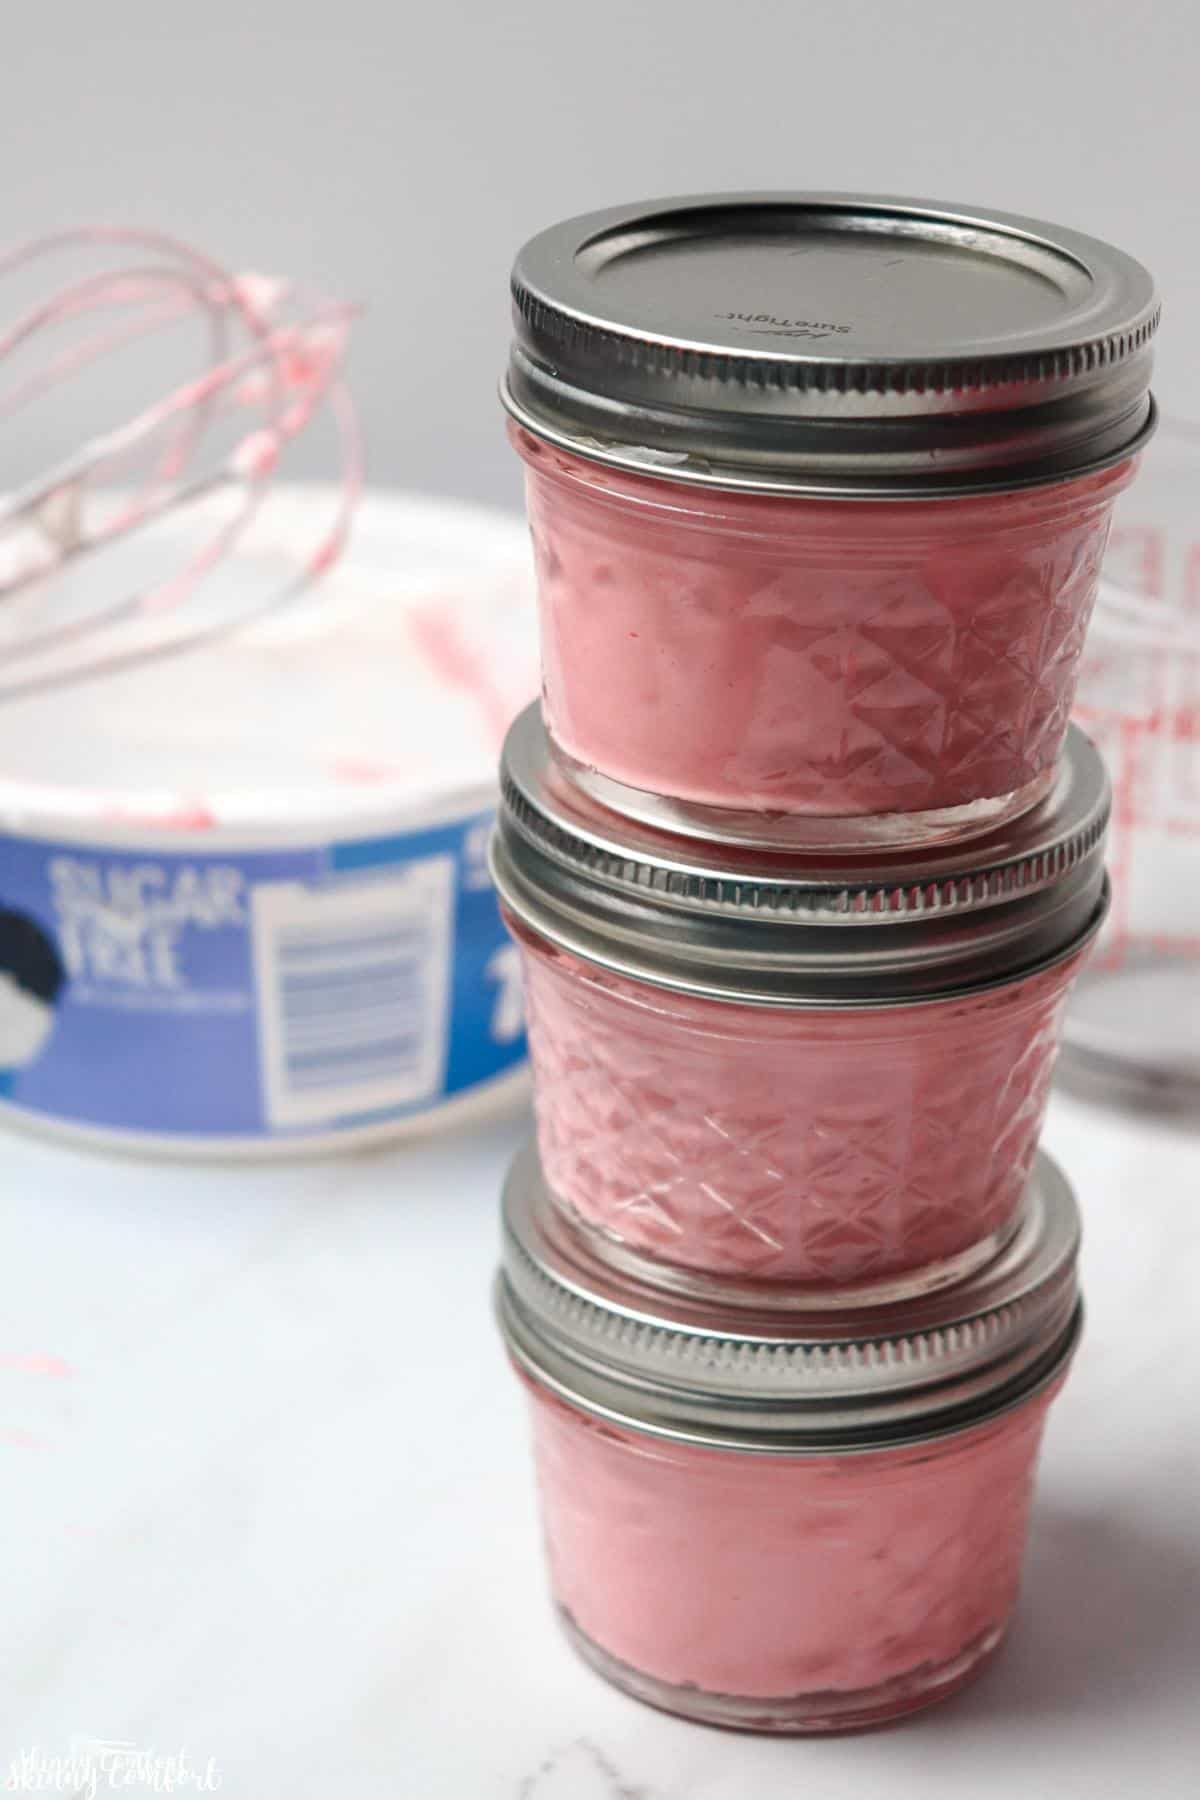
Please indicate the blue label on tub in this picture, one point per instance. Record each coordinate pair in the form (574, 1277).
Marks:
(253, 993)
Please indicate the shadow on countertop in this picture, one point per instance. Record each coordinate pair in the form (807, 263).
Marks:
(1109, 1620)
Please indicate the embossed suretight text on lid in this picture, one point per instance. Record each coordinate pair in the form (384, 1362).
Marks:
(834, 343)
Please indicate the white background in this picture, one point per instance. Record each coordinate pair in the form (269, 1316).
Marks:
(266, 1492)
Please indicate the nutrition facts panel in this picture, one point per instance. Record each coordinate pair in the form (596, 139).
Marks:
(354, 978)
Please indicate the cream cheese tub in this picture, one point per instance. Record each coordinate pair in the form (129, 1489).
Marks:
(244, 898)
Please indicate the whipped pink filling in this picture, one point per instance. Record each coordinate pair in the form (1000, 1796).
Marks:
(812, 657)
(768, 1576)
(803, 1145)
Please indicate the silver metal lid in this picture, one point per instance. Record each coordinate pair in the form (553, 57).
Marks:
(782, 1379)
(844, 344)
(790, 930)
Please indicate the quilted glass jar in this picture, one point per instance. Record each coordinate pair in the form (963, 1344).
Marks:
(880, 672)
(748, 1066)
(819, 489)
(780, 1521)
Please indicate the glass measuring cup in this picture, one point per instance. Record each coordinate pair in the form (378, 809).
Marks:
(1133, 1027)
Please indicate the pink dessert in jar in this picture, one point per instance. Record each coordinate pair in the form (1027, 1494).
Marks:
(756, 1067)
(780, 1521)
(826, 560)
(807, 658)
(814, 1146)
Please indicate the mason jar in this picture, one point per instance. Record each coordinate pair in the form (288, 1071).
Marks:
(819, 487)
(767, 1067)
(779, 1520)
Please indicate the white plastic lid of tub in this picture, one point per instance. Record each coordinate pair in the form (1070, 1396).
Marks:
(384, 688)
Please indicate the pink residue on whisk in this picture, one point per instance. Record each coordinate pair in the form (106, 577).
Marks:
(271, 352)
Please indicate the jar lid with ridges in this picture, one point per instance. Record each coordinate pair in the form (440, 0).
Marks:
(781, 1378)
(777, 928)
(837, 344)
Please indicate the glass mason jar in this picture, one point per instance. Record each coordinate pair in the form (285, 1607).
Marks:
(780, 1521)
(758, 1067)
(830, 572)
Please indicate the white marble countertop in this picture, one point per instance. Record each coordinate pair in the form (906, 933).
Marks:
(267, 1500)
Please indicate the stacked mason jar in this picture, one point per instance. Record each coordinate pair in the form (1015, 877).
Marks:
(802, 856)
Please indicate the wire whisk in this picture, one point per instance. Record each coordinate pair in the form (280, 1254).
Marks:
(209, 444)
